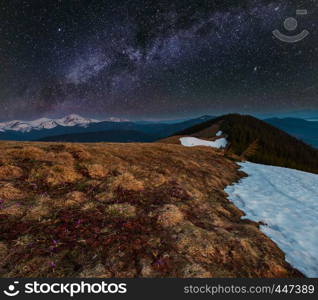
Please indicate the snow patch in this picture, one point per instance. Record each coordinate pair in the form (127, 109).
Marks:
(192, 141)
(287, 201)
(219, 133)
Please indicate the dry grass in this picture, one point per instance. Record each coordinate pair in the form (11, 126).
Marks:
(195, 271)
(55, 175)
(75, 198)
(97, 171)
(128, 182)
(3, 251)
(126, 210)
(9, 192)
(169, 215)
(10, 172)
(120, 210)
(61, 158)
(13, 210)
(27, 153)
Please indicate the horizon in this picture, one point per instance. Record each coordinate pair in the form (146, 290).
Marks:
(304, 115)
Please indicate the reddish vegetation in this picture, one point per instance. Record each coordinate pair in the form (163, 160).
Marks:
(126, 210)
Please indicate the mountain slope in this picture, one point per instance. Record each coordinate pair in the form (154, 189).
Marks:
(272, 145)
(289, 215)
(306, 131)
(126, 210)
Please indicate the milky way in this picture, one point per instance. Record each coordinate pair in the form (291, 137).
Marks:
(154, 59)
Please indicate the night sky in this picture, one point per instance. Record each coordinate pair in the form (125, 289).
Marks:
(145, 59)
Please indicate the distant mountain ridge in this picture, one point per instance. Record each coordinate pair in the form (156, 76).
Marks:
(113, 136)
(304, 130)
(77, 128)
(47, 123)
(124, 132)
(68, 129)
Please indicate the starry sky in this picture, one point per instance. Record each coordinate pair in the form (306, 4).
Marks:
(154, 59)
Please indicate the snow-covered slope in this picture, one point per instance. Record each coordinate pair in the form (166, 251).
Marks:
(286, 200)
(46, 123)
(192, 141)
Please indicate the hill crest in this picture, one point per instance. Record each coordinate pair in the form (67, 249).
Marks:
(274, 146)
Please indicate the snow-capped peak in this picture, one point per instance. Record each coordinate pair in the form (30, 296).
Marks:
(73, 119)
(46, 123)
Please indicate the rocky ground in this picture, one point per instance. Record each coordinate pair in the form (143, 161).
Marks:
(126, 210)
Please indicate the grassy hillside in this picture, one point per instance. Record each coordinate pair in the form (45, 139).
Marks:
(126, 210)
(272, 145)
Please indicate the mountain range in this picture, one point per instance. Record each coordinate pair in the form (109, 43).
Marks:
(75, 128)
(46, 123)
(305, 130)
